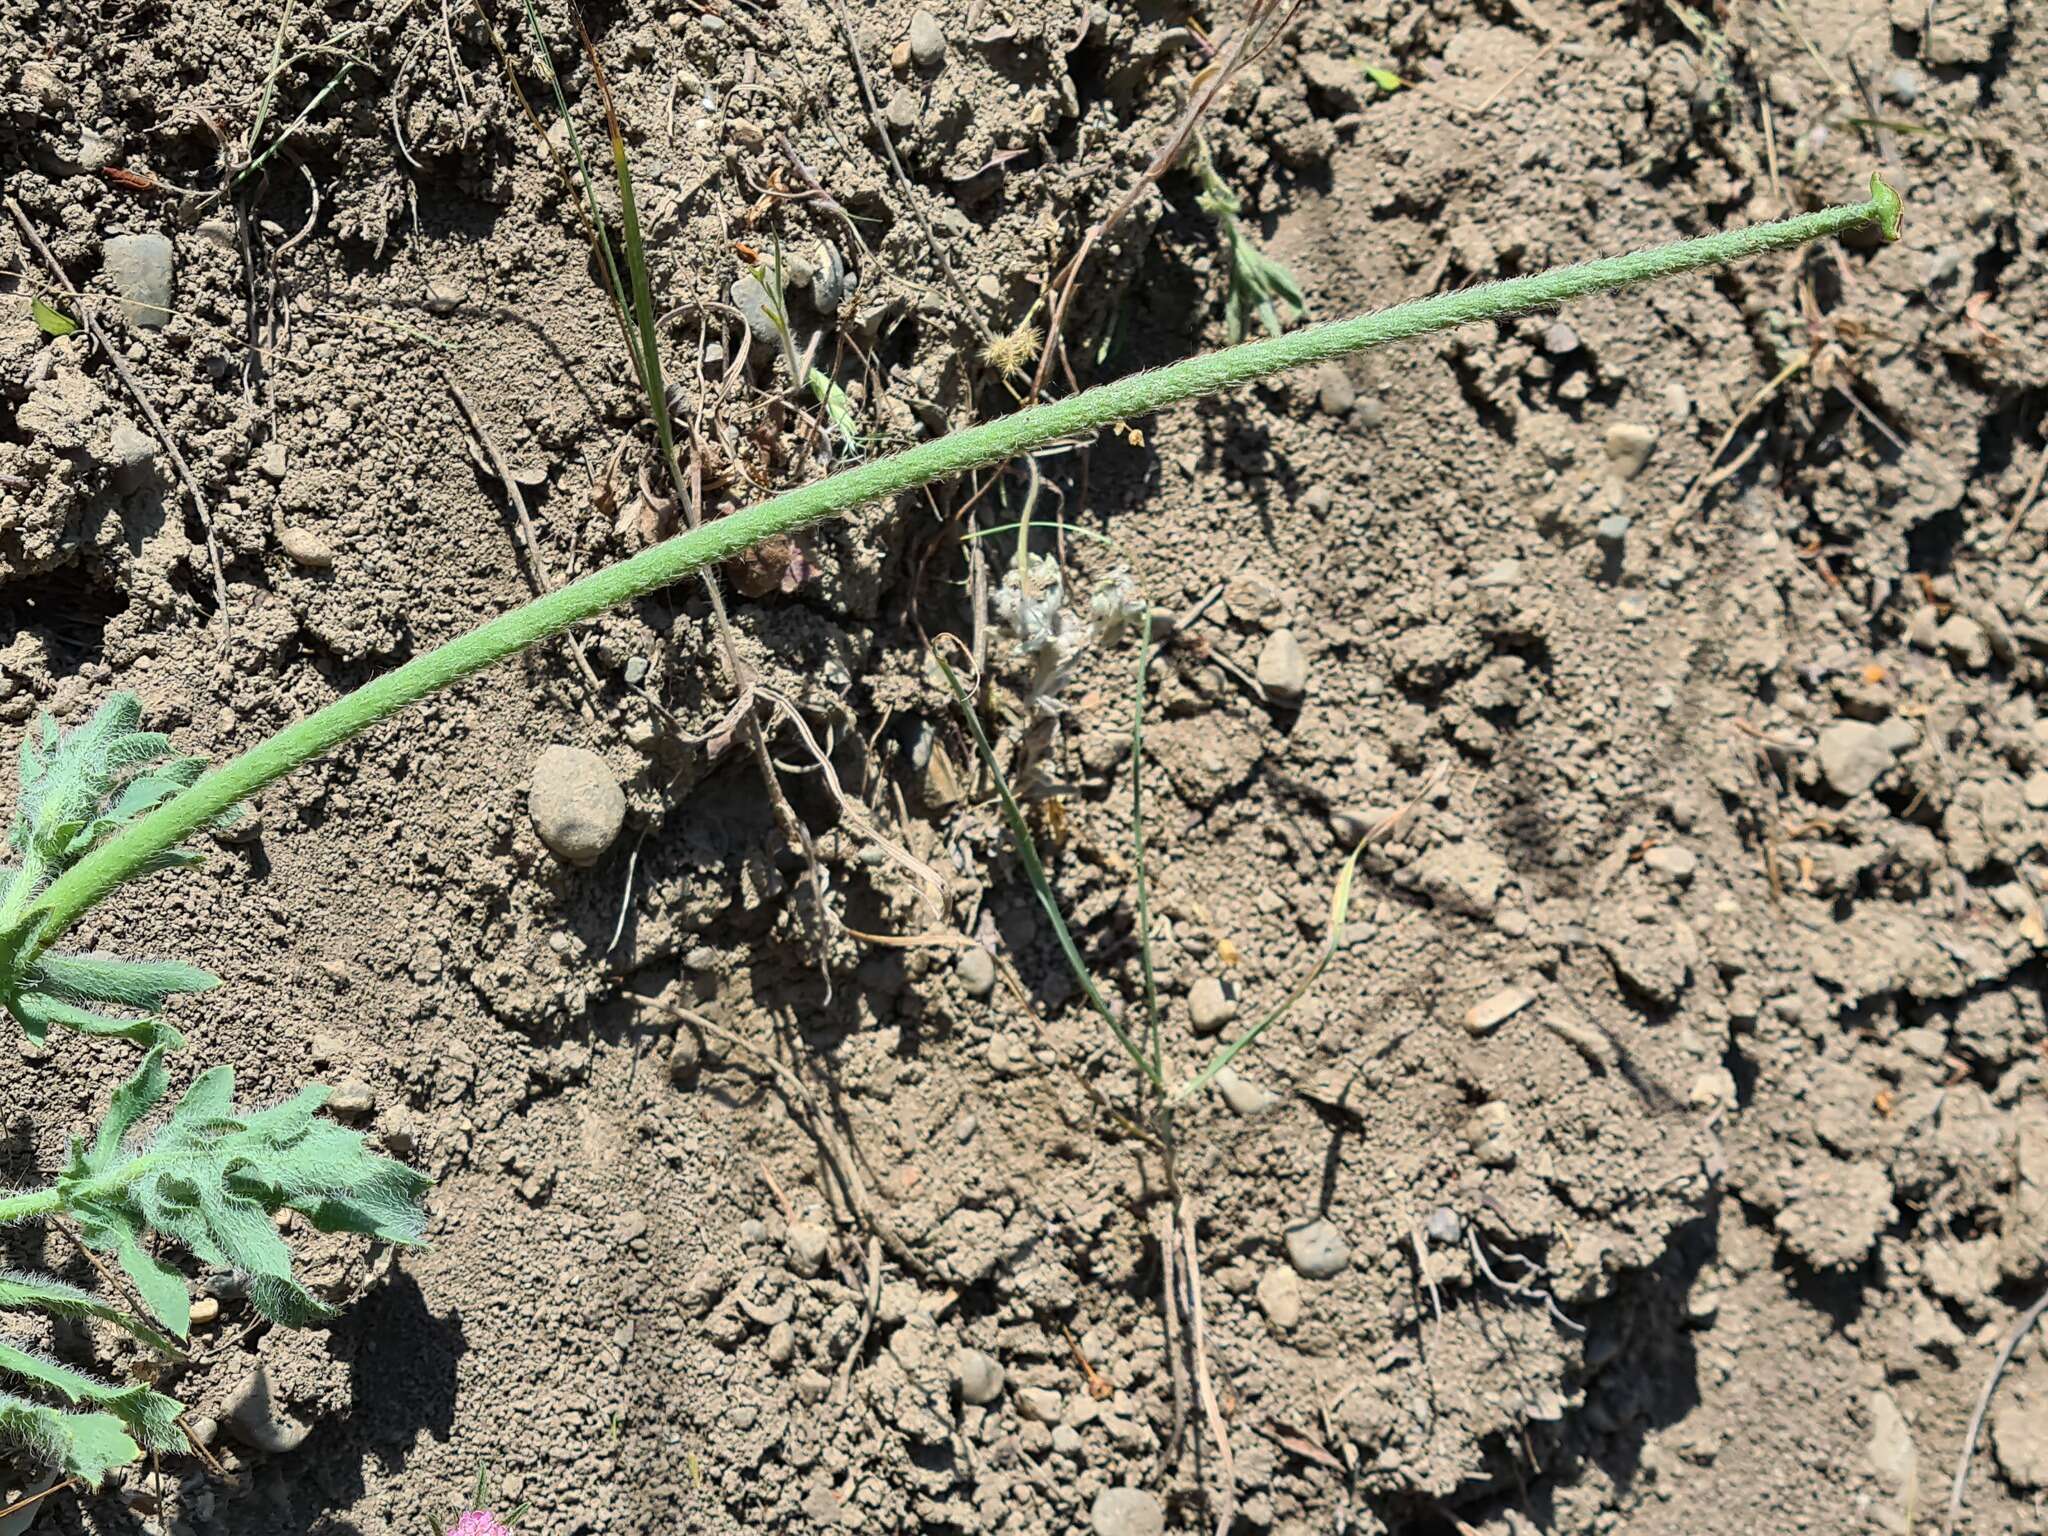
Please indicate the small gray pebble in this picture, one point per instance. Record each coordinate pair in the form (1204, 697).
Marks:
(1317, 1249)
(808, 1244)
(1560, 339)
(1334, 390)
(576, 804)
(927, 40)
(139, 268)
(1628, 447)
(132, 457)
(976, 970)
(352, 1100)
(980, 1377)
(256, 1419)
(1279, 1295)
(1245, 1097)
(304, 547)
(1283, 666)
(1212, 1003)
(1039, 1405)
(1613, 530)
(1127, 1512)
(753, 302)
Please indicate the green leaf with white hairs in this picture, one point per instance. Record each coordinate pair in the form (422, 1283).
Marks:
(149, 1416)
(130, 983)
(212, 1179)
(79, 787)
(39, 1293)
(86, 1446)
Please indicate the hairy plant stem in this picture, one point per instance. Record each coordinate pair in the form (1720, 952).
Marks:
(28, 1205)
(129, 851)
(31, 1203)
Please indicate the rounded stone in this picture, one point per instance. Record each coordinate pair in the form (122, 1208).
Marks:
(1212, 1003)
(576, 804)
(976, 970)
(254, 1417)
(304, 547)
(927, 40)
(1283, 666)
(1127, 1512)
(980, 1377)
(1317, 1249)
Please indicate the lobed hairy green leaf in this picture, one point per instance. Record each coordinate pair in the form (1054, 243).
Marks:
(20, 1292)
(149, 1416)
(212, 1178)
(77, 788)
(86, 1446)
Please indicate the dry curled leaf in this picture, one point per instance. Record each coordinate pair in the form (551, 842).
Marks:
(779, 564)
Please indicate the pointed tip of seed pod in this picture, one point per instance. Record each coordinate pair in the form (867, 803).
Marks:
(1890, 210)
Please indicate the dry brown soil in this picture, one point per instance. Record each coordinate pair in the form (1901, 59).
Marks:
(1701, 626)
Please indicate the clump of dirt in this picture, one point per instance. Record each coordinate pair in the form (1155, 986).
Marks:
(1667, 1133)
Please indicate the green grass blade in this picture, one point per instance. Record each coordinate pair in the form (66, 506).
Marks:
(1340, 903)
(1034, 871)
(594, 213)
(1138, 846)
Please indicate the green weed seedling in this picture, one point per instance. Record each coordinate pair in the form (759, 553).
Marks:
(105, 804)
(208, 1177)
(1144, 1049)
(1259, 285)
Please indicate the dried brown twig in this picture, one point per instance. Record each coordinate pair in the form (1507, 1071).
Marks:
(1263, 20)
(2011, 1347)
(537, 563)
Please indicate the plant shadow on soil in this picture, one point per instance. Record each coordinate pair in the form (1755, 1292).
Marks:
(403, 1360)
(1646, 1379)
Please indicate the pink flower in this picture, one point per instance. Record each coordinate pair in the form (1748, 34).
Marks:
(477, 1522)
